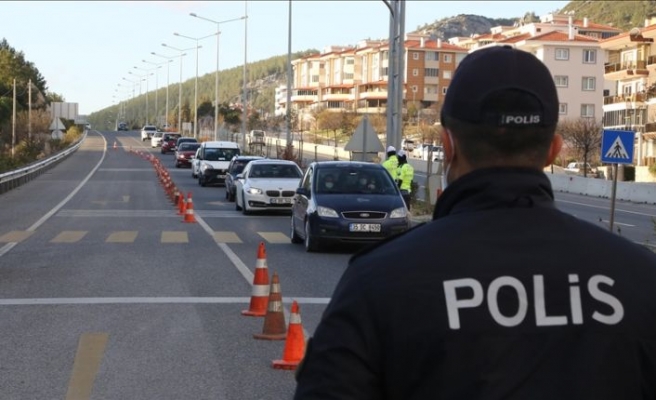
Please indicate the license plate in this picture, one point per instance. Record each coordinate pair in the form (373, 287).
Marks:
(283, 200)
(364, 227)
(221, 176)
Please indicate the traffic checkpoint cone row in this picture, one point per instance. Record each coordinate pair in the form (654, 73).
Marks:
(294, 344)
(182, 205)
(260, 291)
(274, 321)
(189, 210)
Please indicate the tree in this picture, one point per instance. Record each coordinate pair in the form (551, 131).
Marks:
(584, 136)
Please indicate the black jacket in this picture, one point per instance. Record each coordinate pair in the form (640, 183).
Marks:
(502, 296)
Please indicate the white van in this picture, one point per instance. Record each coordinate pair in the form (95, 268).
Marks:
(256, 137)
(212, 160)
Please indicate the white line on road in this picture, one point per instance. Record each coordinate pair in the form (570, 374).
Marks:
(617, 223)
(150, 300)
(605, 208)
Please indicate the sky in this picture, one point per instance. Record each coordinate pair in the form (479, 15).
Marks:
(85, 49)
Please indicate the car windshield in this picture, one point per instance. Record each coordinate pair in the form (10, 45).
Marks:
(354, 181)
(189, 146)
(219, 154)
(275, 171)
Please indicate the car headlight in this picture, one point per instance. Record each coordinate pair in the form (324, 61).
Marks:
(326, 212)
(400, 212)
(205, 167)
(254, 191)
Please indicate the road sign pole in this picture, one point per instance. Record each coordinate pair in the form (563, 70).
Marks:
(612, 198)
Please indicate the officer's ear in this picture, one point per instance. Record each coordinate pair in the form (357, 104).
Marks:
(554, 149)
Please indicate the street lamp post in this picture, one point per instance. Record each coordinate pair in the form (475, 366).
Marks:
(156, 67)
(196, 39)
(148, 74)
(144, 78)
(182, 53)
(135, 83)
(168, 61)
(216, 77)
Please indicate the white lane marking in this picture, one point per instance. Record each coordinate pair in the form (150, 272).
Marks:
(4, 249)
(617, 223)
(150, 300)
(605, 208)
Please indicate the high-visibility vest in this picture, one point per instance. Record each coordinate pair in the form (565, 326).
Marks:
(391, 164)
(405, 173)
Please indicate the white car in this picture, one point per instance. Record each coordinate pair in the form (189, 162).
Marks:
(147, 132)
(267, 184)
(156, 139)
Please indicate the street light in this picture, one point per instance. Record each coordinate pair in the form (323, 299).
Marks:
(145, 78)
(216, 77)
(147, 70)
(182, 53)
(196, 81)
(135, 83)
(156, 69)
(168, 61)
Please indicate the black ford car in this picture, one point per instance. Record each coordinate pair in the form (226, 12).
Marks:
(346, 202)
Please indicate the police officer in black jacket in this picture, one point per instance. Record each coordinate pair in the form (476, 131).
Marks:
(501, 296)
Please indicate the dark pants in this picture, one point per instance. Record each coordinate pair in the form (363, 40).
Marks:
(406, 198)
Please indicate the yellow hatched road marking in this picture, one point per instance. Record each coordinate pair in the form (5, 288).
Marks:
(226, 237)
(90, 350)
(122, 237)
(274, 237)
(175, 237)
(15, 236)
(69, 237)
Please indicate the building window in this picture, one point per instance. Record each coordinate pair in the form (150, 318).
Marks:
(561, 80)
(432, 56)
(348, 75)
(444, 90)
(415, 55)
(589, 56)
(446, 74)
(414, 88)
(587, 110)
(447, 58)
(562, 108)
(562, 54)
(431, 72)
(315, 78)
(415, 72)
(588, 83)
(430, 89)
(350, 61)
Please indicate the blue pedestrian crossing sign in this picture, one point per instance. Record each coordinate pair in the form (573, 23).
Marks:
(617, 147)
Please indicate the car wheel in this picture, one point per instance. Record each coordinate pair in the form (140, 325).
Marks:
(244, 207)
(201, 181)
(311, 243)
(227, 196)
(177, 165)
(293, 235)
(193, 173)
(231, 195)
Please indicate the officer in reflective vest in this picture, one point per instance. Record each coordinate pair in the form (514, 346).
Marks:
(392, 162)
(404, 176)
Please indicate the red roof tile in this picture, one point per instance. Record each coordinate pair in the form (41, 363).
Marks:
(557, 36)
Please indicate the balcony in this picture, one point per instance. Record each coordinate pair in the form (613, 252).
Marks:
(624, 70)
(629, 98)
(650, 127)
(373, 95)
(337, 97)
(651, 60)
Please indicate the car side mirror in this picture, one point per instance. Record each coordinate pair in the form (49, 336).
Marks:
(303, 191)
(239, 176)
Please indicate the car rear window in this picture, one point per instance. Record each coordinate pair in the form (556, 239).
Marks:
(189, 146)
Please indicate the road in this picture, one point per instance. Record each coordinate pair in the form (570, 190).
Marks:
(108, 294)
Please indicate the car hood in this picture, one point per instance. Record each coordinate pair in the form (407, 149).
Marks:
(359, 202)
(274, 183)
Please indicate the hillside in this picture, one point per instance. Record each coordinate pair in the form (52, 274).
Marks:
(266, 75)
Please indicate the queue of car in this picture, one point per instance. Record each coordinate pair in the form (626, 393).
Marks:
(329, 203)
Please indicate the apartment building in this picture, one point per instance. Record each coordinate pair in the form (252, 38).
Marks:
(355, 78)
(280, 102)
(630, 103)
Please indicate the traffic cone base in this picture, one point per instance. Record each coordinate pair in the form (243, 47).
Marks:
(295, 343)
(260, 291)
(274, 321)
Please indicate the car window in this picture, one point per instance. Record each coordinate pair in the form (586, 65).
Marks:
(189, 146)
(354, 181)
(275, 171)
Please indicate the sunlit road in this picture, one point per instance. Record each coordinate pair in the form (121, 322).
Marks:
(106, 293)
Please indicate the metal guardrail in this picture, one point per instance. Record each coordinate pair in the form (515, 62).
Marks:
(13, 179)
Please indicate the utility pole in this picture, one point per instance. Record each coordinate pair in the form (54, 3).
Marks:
(395, 71)
(13, 124)
(29, 110)
(245, 95)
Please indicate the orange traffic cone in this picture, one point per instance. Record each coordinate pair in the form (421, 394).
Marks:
(115, 146)
(274, 321)
(189, 210)
(260, 293)
(182, 205)
(294, 344)
(176, 196)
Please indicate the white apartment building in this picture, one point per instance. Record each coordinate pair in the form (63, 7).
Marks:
(630, 64)
(280, 101)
